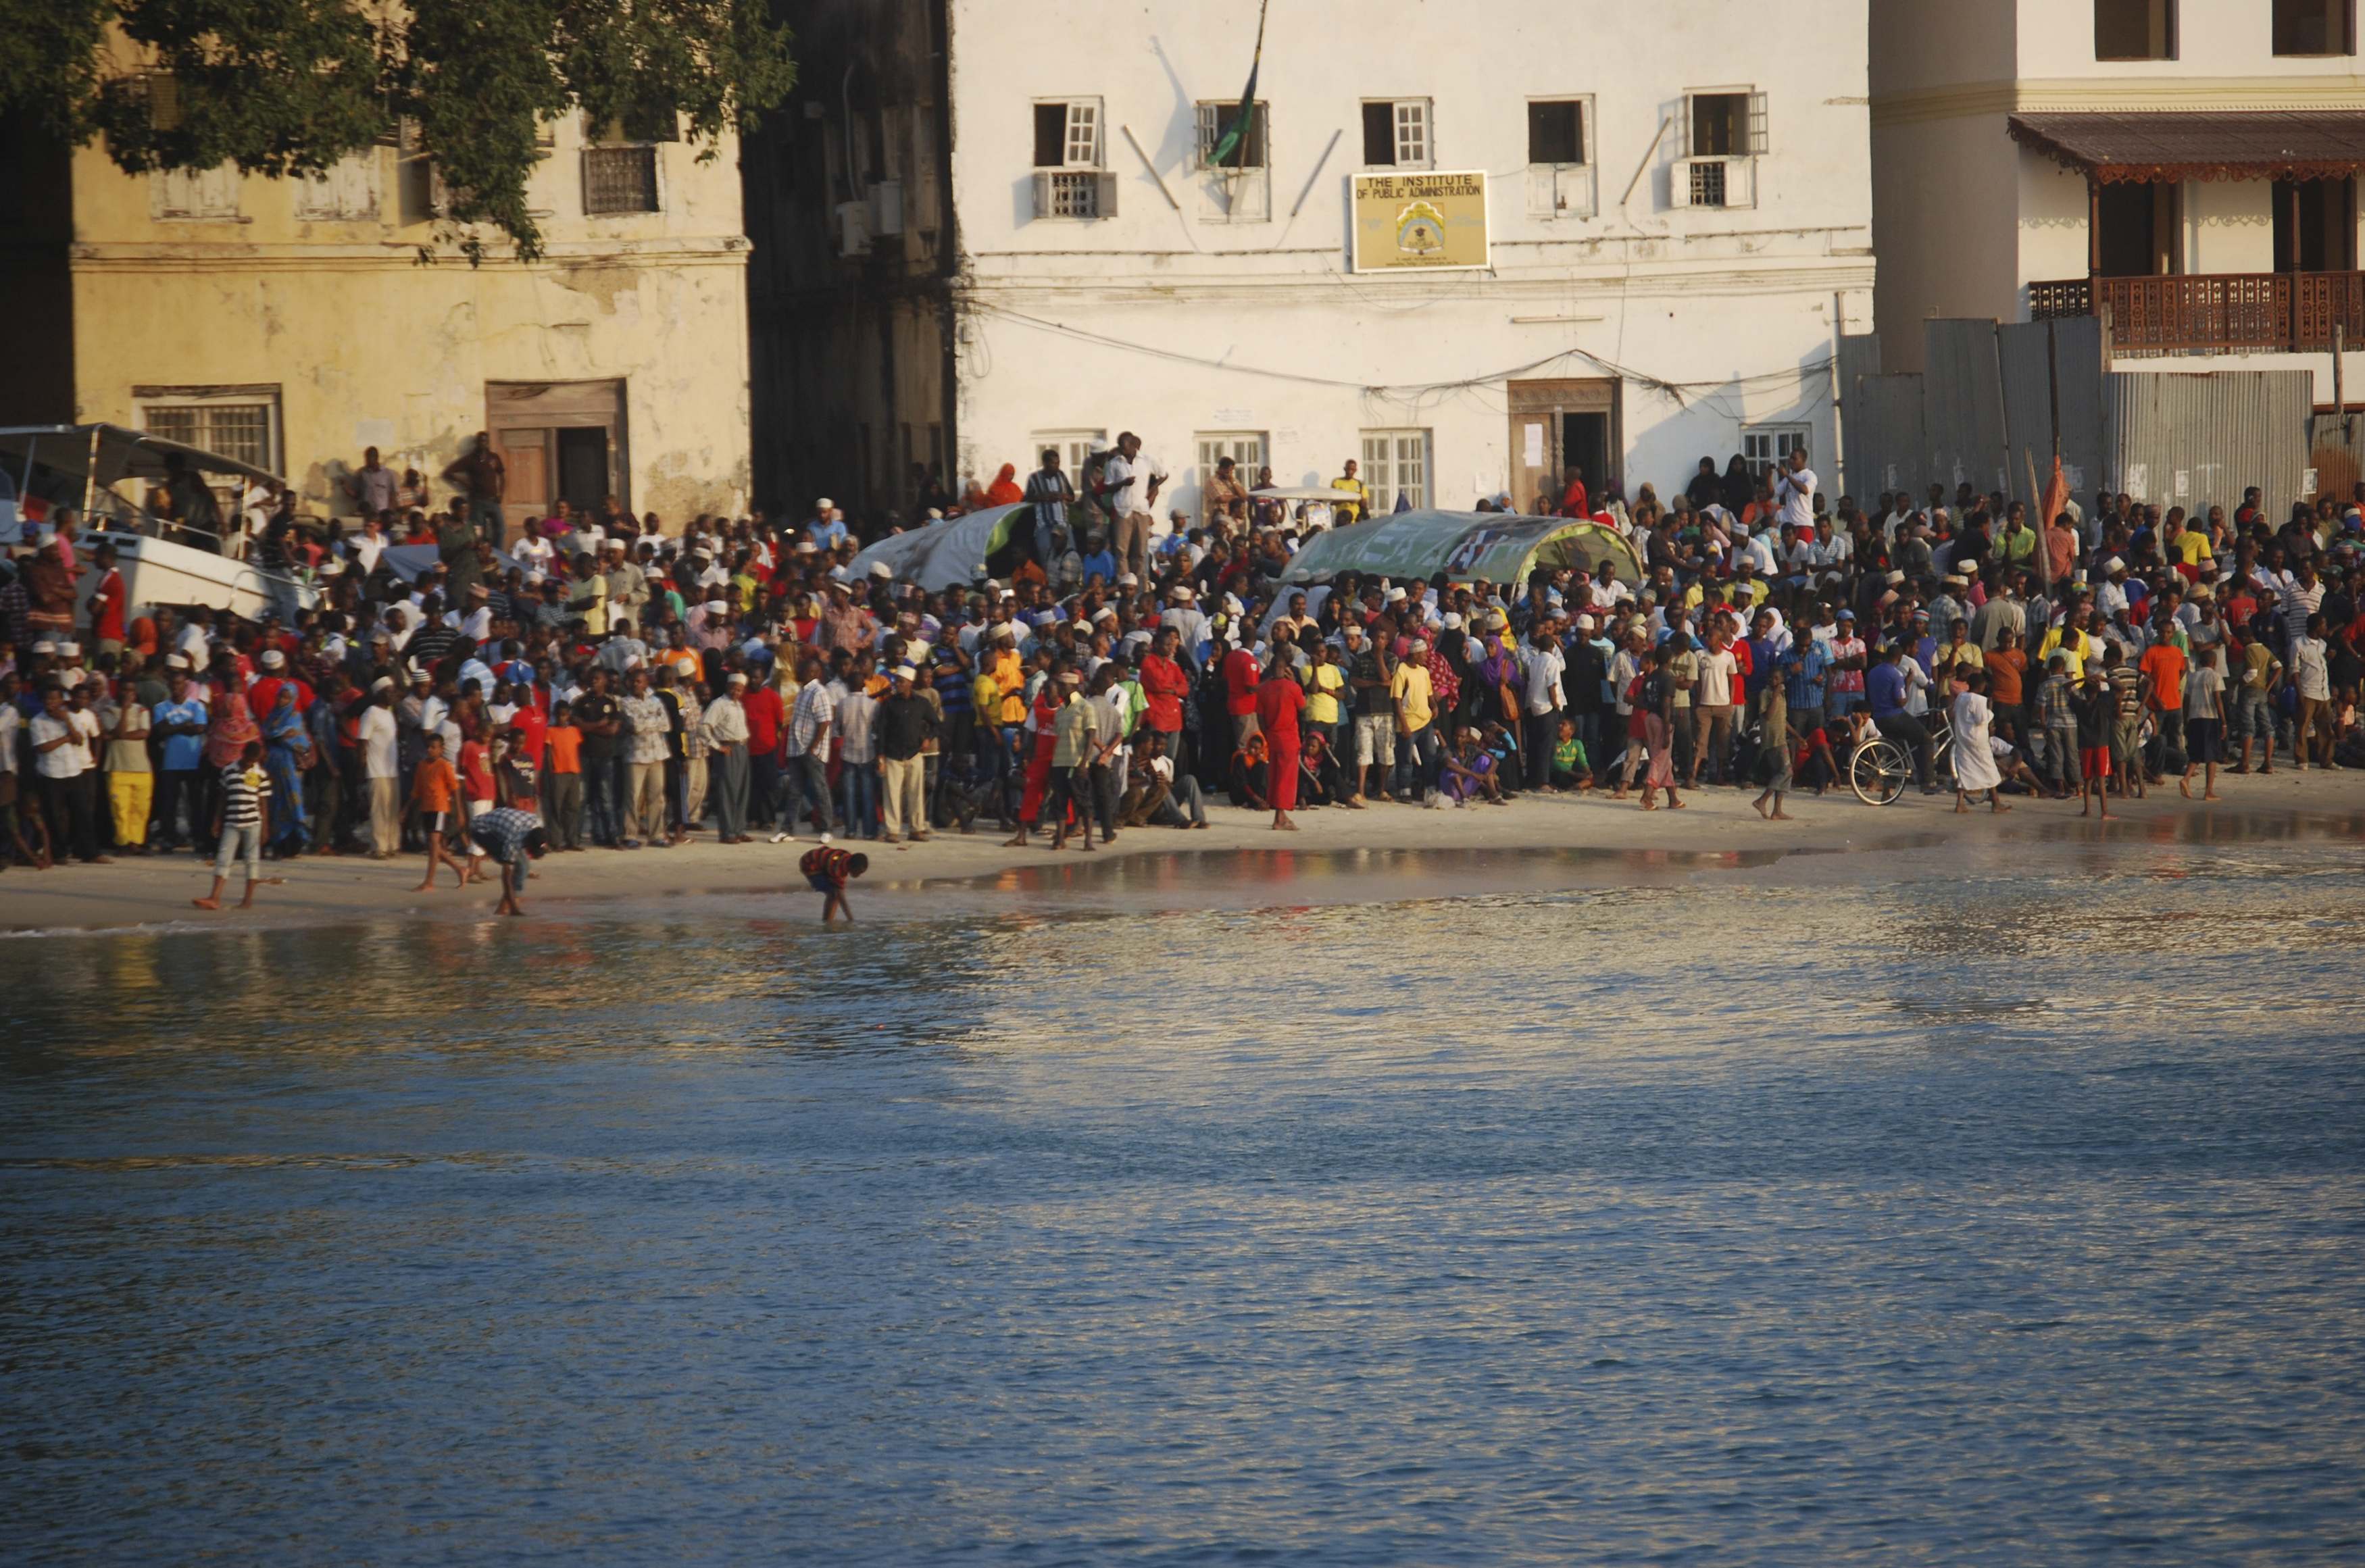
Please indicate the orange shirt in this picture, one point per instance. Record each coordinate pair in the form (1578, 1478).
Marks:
(435, 786)
(565, 748)
(2164, 662)
(2004, 667)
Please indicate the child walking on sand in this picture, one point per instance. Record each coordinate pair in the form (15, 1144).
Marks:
(435, 791)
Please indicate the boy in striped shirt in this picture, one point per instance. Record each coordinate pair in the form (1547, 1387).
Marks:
(242, 822)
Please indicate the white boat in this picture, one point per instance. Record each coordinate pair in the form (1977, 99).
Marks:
(163, 563)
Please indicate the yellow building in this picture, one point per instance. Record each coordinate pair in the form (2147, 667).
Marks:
(292, 323)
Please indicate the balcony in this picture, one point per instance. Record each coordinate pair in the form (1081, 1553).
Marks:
(2213, 312)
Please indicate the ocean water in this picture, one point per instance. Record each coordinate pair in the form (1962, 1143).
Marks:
(1998, 1205)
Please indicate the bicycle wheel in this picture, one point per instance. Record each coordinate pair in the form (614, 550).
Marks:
(1878, 771)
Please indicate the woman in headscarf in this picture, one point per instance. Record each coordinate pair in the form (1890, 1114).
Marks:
(231, 723)
(1739, 486)
(288, 752)
(1495, 679)
(1005, 490)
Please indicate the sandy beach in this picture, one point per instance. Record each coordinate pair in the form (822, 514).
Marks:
(1717, 828)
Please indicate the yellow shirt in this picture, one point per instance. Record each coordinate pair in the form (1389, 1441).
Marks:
(2193, 545)
(1009, 681)
(2073, 653)
(1411, 687)
(1350, 512)
(1322, 698)
(587, 597)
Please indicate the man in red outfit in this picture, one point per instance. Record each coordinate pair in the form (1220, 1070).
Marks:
(1278, 700)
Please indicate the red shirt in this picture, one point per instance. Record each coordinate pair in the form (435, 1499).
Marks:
(263, 693)
(1240, 677)
(475, 771)
(107, 606)
(1165, 684)
(532, 726)
(763, 715)
(1278, 703)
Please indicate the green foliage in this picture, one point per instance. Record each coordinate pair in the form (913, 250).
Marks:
(48, 60)
(287, 87)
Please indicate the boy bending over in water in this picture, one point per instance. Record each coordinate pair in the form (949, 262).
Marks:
(827, 870)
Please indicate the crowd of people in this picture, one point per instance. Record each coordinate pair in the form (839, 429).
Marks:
(595, 680)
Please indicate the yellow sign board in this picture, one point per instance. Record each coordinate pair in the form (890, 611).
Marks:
(1420, 222)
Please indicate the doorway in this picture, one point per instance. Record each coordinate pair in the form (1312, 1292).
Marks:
(2316, 225)
(561, 441)
(1557, 425)
(1584, 445)
(583, 465)
(2138, 229)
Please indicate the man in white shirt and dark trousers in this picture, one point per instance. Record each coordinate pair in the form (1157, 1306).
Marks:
(1794, 491)
(1543, 664)
(1123, 476)
(807, 784)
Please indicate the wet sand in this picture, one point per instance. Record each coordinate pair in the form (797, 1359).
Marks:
(1552, 841)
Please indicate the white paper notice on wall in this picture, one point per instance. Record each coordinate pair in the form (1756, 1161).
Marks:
(1532, 452)
(2307, 484)
(2139, 481)
(374, 432)
(2183, 483)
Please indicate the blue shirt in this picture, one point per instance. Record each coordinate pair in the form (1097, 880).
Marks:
(1762, 660)
(182, 752)
(1102, 562)
(827, 535)
(1809, 661)
(1884, 689)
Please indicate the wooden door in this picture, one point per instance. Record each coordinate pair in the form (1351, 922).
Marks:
(527, 454)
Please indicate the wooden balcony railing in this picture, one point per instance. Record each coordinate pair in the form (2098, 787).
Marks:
(2213, 312)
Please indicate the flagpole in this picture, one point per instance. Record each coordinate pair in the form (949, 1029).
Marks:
(1256, 62)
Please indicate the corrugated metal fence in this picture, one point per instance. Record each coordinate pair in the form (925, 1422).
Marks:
(1988, 410)
(2335, 449)
(2197, 442)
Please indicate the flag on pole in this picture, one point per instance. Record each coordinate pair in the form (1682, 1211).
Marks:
(1232, 145)
(2057, 493)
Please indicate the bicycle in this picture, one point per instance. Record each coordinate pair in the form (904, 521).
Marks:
(1879, 768)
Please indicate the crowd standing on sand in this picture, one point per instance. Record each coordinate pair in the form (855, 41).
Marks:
(604, 681)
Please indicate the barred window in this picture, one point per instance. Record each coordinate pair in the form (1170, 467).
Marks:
(242, 429)
(619, 179)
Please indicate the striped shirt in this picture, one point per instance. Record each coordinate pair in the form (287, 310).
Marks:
(1049, 491)
(244, 789)
(952, 684)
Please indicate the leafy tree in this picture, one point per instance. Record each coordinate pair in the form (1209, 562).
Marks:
(287, 87)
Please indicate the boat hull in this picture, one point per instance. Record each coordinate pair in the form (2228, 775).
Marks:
(158, 572)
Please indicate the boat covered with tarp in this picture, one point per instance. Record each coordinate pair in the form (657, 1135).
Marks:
(954, 552)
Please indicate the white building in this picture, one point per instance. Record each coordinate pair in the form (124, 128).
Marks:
(2186, 166)
(1677, 226)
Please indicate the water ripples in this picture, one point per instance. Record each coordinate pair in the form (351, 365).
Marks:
(1767, 1214)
